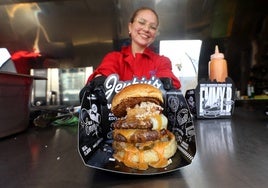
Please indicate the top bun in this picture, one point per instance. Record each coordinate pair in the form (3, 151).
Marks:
(135, 94)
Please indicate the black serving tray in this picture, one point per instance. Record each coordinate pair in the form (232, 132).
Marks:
(95, 130)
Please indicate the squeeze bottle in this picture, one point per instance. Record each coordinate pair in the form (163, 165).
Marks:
(217, 66)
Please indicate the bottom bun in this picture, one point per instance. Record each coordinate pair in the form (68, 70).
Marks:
(140, 156)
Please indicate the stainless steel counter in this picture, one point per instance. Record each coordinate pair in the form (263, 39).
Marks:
(230, 153)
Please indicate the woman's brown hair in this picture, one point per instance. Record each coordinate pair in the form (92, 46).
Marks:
(134, 15)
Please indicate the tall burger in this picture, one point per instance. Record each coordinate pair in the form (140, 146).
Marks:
(140, 135)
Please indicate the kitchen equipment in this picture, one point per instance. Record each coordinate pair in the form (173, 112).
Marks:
(15, 92)
(62, 86)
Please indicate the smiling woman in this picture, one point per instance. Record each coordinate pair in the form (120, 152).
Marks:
(142, 29)
(136, 60)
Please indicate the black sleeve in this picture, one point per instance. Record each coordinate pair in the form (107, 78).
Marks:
(96, 87)
(167, 83)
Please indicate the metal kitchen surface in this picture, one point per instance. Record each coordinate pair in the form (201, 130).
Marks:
(231, 153)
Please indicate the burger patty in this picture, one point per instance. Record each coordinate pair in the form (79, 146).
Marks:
(138, 135)
(120, 109)
(132, 124)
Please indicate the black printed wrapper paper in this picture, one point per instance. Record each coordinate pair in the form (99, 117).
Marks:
(95, 132)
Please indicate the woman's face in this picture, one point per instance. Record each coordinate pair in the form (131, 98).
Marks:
(144, 28)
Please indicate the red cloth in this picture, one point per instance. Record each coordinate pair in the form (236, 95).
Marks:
(23, 60)
(127, 66)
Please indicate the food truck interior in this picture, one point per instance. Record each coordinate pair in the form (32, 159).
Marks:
(55, 45)
(73, 34)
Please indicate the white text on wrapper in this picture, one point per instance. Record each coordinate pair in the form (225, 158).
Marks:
(215, 99)
(112, 84)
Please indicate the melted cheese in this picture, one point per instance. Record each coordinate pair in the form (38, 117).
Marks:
(159, 148)
(159, 122)
(135, 158)
(125, 132)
